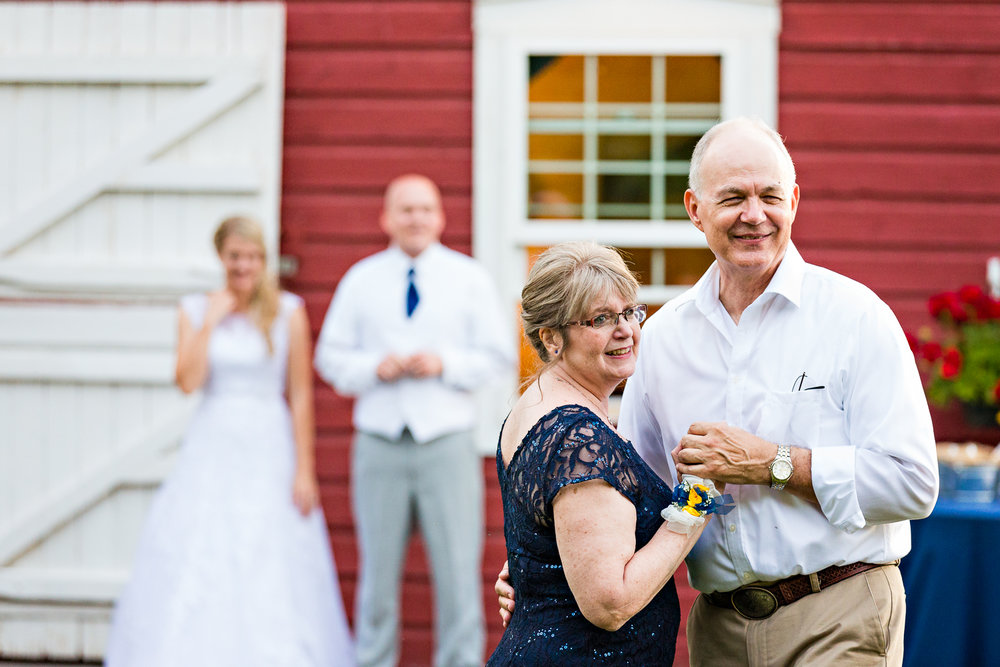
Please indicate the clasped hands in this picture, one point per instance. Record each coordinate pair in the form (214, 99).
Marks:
(723, 453)
(419, 365)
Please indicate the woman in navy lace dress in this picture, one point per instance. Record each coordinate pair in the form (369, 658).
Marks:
(590, 560)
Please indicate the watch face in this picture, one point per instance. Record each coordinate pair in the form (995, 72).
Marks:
(781, 470)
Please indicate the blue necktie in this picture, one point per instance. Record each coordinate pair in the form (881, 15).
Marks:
(412, 298)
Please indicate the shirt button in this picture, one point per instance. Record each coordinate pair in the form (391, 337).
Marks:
(732, 528)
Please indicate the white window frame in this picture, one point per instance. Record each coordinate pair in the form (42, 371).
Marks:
(743, 32)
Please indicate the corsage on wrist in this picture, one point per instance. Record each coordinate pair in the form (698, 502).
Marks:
(692, 499)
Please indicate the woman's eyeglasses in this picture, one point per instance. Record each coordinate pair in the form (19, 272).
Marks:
(634, 314)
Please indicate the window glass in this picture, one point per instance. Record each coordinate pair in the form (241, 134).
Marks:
(610, 136)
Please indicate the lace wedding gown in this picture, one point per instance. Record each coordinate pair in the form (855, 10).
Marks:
(228, 572)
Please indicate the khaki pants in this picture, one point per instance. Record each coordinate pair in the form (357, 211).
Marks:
(858, 621)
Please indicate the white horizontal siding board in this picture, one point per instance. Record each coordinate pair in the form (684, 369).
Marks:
(72, 585)
(205, 103)
(132, 326)
(85, 365)
(235, 177)
(168, 277)
(106, 70)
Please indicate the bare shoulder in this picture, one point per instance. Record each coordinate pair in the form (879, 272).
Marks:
(536, 402)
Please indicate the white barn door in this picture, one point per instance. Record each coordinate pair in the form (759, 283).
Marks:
(127, 132)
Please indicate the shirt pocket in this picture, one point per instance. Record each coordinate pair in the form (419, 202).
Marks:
(792, 418)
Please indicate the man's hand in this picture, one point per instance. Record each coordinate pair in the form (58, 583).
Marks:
(718, 451)
(505, 594)
(391, 368)
(423, 365)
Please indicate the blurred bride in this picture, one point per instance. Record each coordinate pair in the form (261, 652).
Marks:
(234, 566)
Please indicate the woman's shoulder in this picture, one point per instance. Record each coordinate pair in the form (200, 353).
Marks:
(569, 425)
(193, 305)
(290, 302)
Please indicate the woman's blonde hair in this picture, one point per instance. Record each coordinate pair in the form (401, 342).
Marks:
(265, 298)
(563, 284)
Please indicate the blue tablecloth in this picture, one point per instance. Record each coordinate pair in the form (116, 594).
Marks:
(952, 579)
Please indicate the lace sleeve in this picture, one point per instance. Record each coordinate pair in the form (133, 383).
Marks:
(588, 450)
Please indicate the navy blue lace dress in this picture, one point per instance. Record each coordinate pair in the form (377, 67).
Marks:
(568, 445)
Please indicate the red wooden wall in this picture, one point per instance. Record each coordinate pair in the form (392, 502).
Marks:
(891, 113)
(373, 90)
(890, 109)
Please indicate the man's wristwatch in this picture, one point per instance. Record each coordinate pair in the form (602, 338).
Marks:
(781, 467)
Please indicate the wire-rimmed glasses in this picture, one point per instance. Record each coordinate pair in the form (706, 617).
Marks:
(635, 313)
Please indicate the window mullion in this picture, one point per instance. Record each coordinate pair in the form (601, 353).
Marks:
(590, 139)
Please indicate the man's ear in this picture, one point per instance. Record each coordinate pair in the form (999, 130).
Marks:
(691, 205)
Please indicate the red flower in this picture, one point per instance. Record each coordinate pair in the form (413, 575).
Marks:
(931, 351)
(951, 364)
(996, 392)
(971, 294)
(957, 311)
(937, 304)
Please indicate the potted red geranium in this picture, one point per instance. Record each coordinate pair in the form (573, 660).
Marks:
(960, 358)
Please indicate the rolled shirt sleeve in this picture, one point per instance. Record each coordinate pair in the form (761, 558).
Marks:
(889, 471)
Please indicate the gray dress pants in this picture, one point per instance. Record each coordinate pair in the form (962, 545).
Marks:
(396, 483)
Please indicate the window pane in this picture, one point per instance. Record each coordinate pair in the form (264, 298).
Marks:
(640, 262)
(610, 136)
(623, 147)
(694, 79)
(555, 196)
(623, 196)
(680, 146)
(555, 78)
(624, 79)
(555, 147)
(684, 266)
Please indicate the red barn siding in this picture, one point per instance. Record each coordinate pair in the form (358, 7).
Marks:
(373, 89)
(890, 109)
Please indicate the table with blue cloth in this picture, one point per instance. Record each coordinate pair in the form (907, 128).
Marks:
(952, 579)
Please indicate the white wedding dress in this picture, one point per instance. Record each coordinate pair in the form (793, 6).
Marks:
(228, 572)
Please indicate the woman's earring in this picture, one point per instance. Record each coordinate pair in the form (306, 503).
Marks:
(555, 351)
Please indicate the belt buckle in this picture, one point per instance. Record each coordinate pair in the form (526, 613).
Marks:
(754, 602)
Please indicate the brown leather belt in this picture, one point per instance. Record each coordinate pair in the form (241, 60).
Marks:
(757, 602)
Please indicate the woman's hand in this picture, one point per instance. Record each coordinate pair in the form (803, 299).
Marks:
(305, 491)
(220, 304)
(505, 594)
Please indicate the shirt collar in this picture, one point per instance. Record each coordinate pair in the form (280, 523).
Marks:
(423, 259)
(786, 281)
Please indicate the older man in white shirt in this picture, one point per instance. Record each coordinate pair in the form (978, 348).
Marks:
(411, 332)
(796, 387)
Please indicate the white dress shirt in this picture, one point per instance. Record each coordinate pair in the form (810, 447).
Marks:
(860, 408)
(458, 318)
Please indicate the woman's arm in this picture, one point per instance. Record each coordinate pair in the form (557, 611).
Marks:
(192, 344)
(595, 534)
(305, 488)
